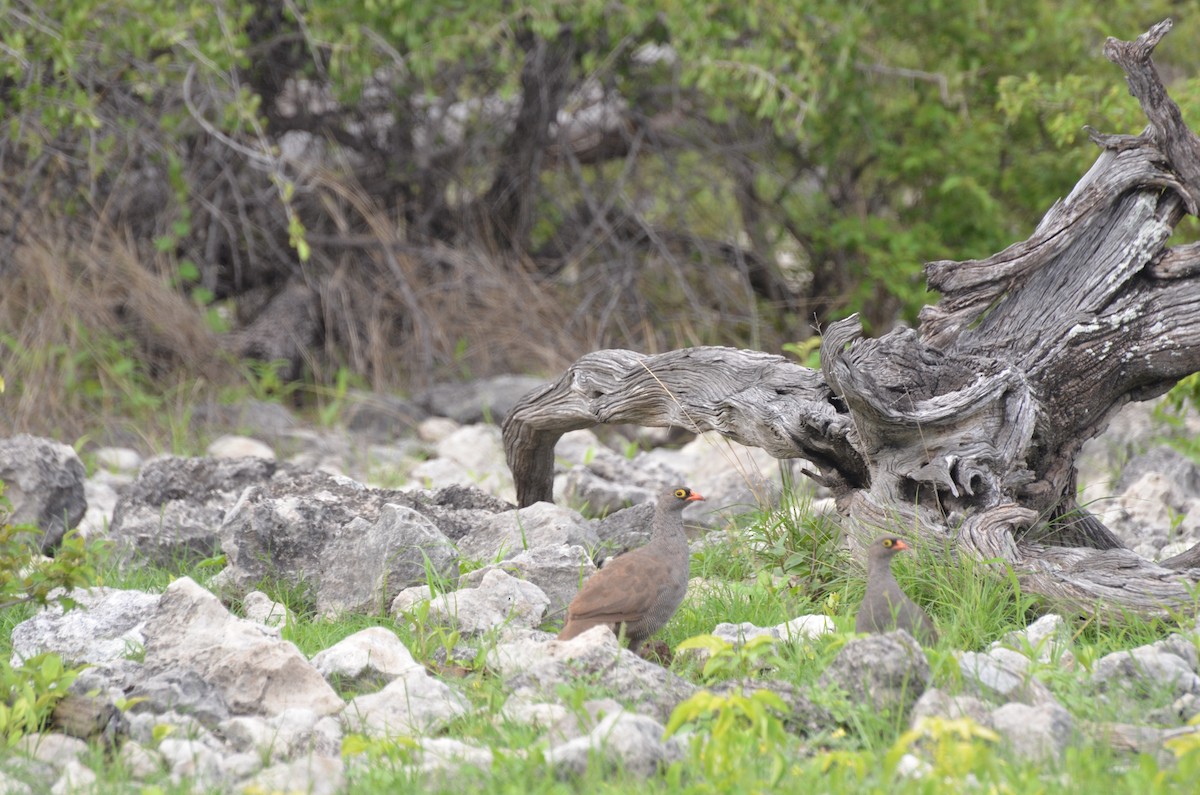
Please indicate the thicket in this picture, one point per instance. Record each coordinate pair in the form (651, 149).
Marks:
(405, 190)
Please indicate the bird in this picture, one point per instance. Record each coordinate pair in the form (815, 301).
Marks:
(885, 607)
(638, 592)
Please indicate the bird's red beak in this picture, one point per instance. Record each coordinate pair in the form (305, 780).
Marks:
(695, 495)
(900, 544)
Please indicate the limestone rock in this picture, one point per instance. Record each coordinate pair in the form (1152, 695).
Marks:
(356, 547)
(416, 703)
(887, 671)
(533, 669)
(1039, 733)
(499, 600)
(43, 480)
(254, 671)
(371, 657)
(542, 524)
(172, 512)
(623, 740)
(557, 570)
(108, 624)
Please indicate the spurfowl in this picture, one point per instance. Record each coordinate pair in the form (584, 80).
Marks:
(638, 592)
(885, 607)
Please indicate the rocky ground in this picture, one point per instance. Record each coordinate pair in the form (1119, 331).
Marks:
(409, 491)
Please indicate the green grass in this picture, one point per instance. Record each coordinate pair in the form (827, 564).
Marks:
(771, 568)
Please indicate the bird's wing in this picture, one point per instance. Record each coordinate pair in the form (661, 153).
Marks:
(621, 591)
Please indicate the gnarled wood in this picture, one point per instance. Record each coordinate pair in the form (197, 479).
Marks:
(757, 399)
(966, 429)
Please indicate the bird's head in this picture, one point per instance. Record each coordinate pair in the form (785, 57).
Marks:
(887, 546)
(685, 495)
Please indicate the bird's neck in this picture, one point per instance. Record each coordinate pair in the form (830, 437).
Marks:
(668, 527)
(879, 568)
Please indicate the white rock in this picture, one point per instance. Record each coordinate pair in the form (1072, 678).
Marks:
(141, 762)
(254, 670)
(118, 459)
(260, 608)
(1039, 733)
(499, 600)
(190, 760)
(626, 740)
(52, 747)
(107, 625)
(239, 447)
(445, 756)
(470, 456)
(507, 534)
(313, 775)
(435, 429)
(373, 654)
(75, 778)
(414, 704)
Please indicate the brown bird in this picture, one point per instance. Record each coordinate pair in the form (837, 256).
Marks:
(638, 592)
(885, 607)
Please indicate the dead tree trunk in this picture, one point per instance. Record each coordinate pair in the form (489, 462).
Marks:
(966, 430)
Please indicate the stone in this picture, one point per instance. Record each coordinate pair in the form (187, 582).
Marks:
(472, 455)
(191, 761)
(370, 658)
(533, 669)
(232, 447)
(443, 759)
(582, 488)
(435, 429)
(118, 459)
(622, 740)
(1003, 675)
(1038, 733)
(184, 691)
(558, 570)
(53, 747)
(936, 703)
(416, 703)
(802, 715)
(140, 761)
(262, 609)
(887, 671)
(355, 547)
(255, 671)
(1046, 640)
(498, 600)
(43, 482)
(172, 512)
(298, 731)
(101, 500)
(267, 418)
(75, 777)
(313, 775)
(13, 786)
(1147, 670)
(733, 477)
(107, 625)
(801, 628)
(506, 535)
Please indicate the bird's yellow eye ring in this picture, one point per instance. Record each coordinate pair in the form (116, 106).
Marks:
(887, 542)
(681, 493)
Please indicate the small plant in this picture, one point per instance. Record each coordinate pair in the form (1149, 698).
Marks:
(956, 747)
(28, 693)
(734, 735)
(726, 660)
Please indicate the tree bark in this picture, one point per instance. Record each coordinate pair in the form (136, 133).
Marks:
(964, 431)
